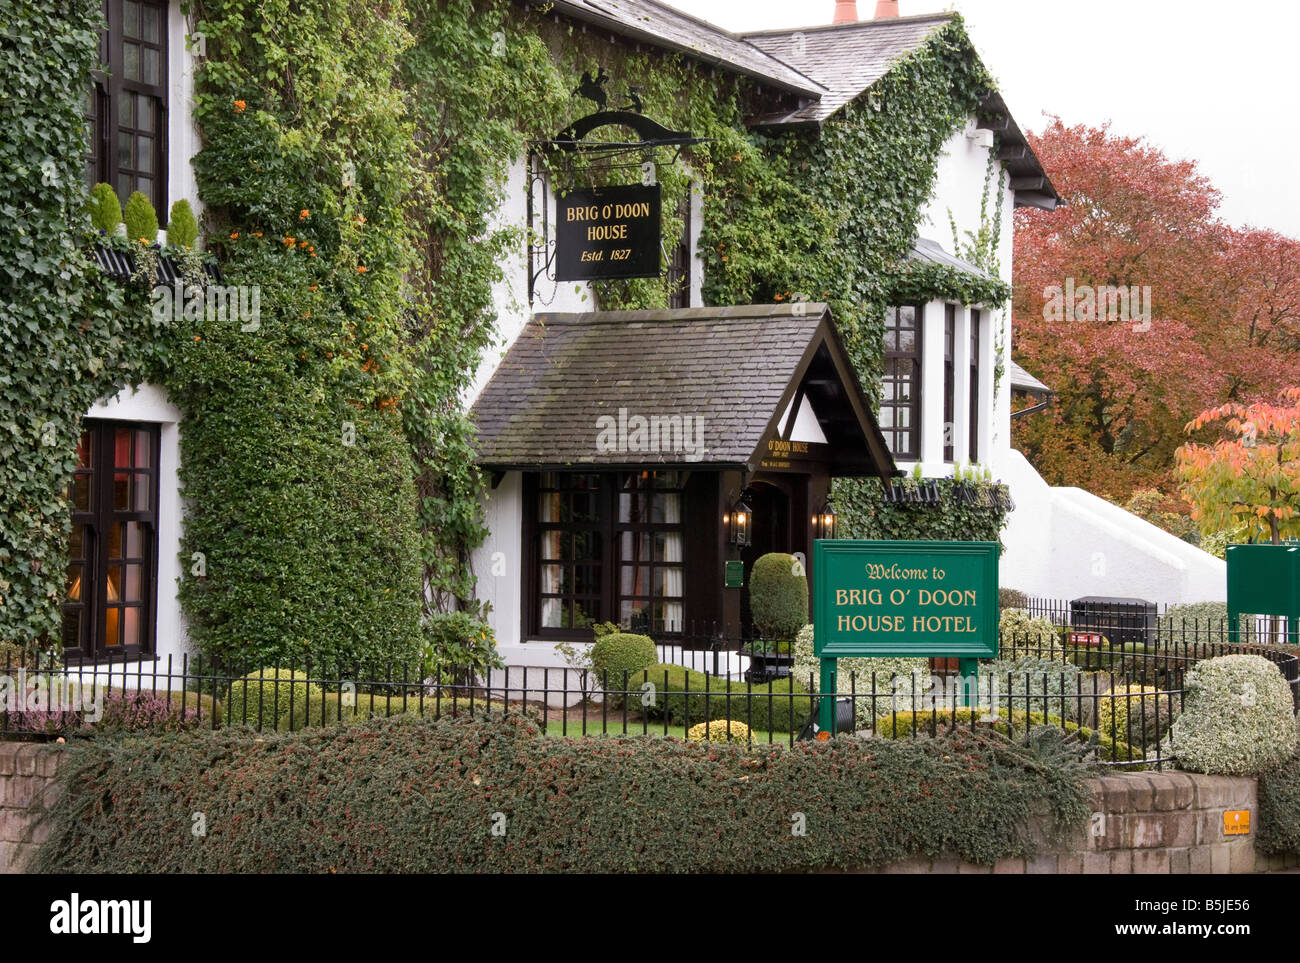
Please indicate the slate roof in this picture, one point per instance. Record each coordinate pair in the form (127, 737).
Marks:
(662, 26)
(1022, 380)
(731, 366)
(932, 252)
(845, 58)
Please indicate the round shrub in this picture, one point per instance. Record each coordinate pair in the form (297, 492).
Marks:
(1022, 634)
(182, 228)
(897, 680)
(104, 208)
(1134, 714)
(720, 730)
(141, 219)
(617, 653)
(1237, 718)
(271, 698)
(1009, 598)
(778, 596)
(1200, 623)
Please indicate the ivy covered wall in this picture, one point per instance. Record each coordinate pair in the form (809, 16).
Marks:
(353, 154)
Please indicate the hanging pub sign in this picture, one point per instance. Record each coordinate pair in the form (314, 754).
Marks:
(607, 232)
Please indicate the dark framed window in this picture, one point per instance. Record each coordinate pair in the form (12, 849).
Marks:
(949, 380)
(607, 547)
(126, 108)
(679, 266)
(975, 319)
(571, 512)
(112, 570)
(649, 531)
(900, 405)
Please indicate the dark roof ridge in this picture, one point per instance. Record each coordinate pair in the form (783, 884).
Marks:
(820, 27)
(736, 312)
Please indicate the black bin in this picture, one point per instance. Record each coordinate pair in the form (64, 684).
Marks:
(1121, 620)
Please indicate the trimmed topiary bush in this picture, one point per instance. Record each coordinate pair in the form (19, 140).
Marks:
(778, 596)
(104, 208)
(182, 228)
(1238, 717)
(141, 219)
(272, 699)
(616, 653)
(785, 711)
(720, 730)
(1022, 634)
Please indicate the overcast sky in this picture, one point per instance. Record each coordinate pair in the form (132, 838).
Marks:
(1215, 82)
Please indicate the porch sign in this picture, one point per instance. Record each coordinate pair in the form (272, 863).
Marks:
(608, 232)
(1264, 580)
(878, 599)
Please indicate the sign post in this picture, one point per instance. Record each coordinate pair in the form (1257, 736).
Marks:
(877, 599)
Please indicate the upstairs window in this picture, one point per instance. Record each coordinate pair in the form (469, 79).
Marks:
(126, 110)
(900, 405)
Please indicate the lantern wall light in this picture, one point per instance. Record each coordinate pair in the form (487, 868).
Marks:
(740, 521)
(823, 523)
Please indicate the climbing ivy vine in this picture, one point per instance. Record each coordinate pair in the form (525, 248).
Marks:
(353, 153)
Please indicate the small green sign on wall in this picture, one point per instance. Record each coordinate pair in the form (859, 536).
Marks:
(886, 598)
(1264, 580)
(734, 573)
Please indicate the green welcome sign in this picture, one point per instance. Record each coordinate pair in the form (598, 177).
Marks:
(875, 598)
(920, 599)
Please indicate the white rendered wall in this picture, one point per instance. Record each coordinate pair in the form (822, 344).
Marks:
(1065, 543)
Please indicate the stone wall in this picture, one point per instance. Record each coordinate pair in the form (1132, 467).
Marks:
(27, 771)
(1149, 822)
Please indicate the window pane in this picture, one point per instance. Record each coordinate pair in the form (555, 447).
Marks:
(550, 507)
(115, 537)
(144, 153)
(150, 64)
(115, 583)
(131, 61)
(635, 546)
(112, 624)
(150, 27)
(552, 614)
(131, 626)
(131, 18)
(133, 584)
(551, 545)
(141, 502)
(81, 493)
(121, 491)
(134, 542)
(584, 507)
(124, 151)
(586, 580)
(144, 108)
(587, 546)
(635, 580)
(72, 628)
(125, 117)
(142, 446)
(77, 544)
(74, 582)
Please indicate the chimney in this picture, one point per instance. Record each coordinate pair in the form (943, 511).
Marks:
(846, 11)
(886, 9)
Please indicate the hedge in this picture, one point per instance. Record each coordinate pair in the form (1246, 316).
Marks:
(417, 796)
(780, 706)
(1279, 808)
(908, 725)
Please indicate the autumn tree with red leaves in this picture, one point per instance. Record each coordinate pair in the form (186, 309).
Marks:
(1251, 479)
(1222, 322)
